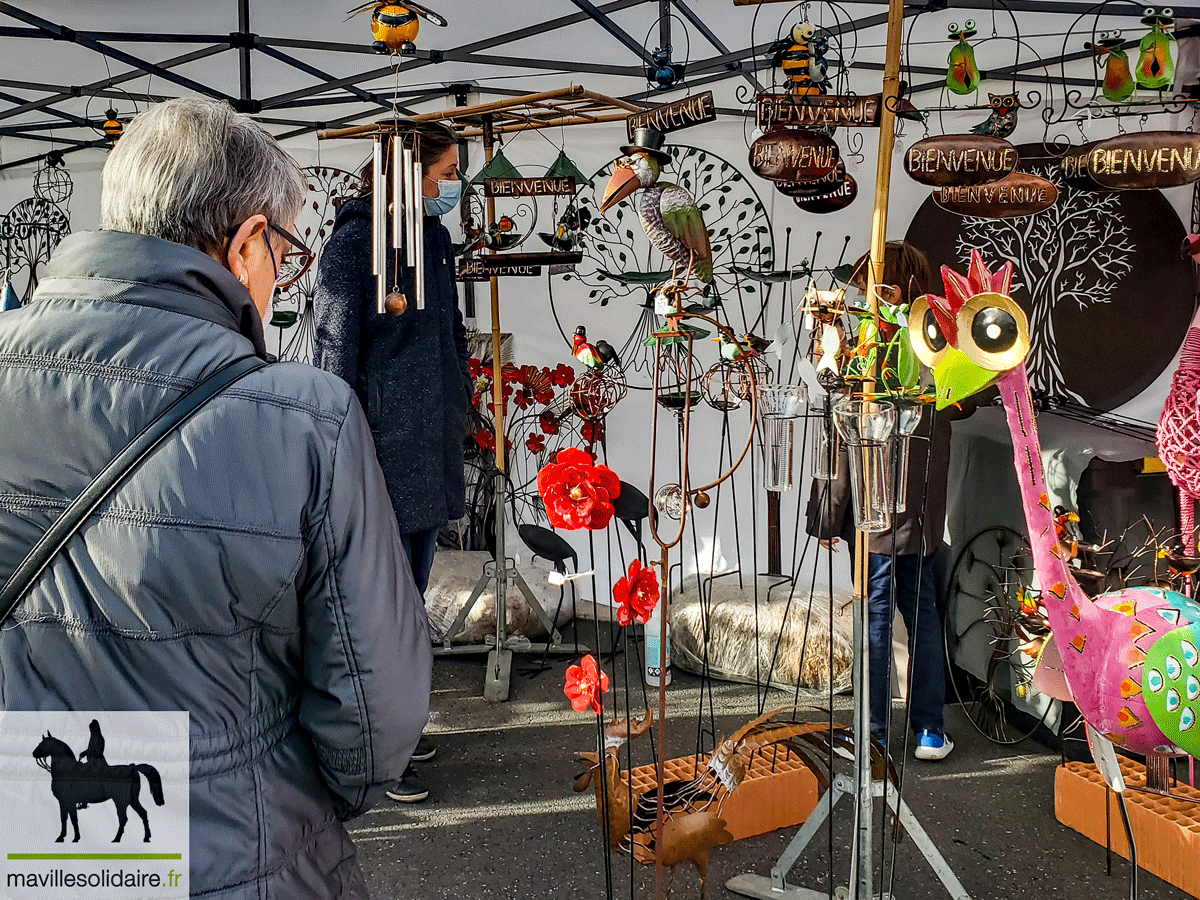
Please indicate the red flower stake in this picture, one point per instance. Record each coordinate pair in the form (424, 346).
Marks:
(636, 594)
(577, 492)
(586, 684)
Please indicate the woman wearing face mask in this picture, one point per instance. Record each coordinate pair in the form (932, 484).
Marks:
(410, 370)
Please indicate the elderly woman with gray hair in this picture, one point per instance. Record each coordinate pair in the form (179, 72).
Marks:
(249, 571)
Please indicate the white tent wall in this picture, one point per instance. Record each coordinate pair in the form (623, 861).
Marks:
(525, 305)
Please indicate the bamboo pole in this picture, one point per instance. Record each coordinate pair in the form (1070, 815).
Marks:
(862, 880)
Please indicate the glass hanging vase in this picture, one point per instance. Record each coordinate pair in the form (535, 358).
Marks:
(779, 406)
(866, 426)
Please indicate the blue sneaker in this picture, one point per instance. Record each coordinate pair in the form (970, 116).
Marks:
(933, 745)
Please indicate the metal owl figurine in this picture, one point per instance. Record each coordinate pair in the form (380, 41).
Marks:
(962, 77)
(1003, 120)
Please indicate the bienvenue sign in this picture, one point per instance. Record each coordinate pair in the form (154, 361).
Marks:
(1018, 194)
(1145, 160)
(528, 187)
(960, 160)
(792, 155)
(674, 116)
(817, 111)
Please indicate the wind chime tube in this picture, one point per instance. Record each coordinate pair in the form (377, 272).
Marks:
(379, 225)
(418, 236)
(399, 194)
(408, 224)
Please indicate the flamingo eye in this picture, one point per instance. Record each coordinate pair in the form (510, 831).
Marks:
(993, 332)
(928, 341)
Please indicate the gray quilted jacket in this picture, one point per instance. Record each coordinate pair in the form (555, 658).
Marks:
(250, 571)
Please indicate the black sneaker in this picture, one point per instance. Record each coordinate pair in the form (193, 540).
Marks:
(426, 750)
(409, 789)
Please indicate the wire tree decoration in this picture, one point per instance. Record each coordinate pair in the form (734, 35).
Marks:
(31, 230)
(328, 188)
(1077, 251)
(621, 268)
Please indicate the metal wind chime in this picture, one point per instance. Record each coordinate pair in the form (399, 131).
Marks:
(407, 207)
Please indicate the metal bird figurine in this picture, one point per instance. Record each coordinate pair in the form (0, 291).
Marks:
(963, 75)
(569, 231)
(1118, 83)
(595, 356)
(748, 345)
(1156, 63)
(1129, 658)
(1003, 120)
(668, 213)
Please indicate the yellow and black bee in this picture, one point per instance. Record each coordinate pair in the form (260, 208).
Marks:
(801, 56)
(396, 25)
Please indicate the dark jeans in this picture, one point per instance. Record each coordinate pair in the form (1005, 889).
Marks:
(420, 546)
(927, 684)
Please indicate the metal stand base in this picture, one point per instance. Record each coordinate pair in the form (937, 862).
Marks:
(777, 888)
(500, 649)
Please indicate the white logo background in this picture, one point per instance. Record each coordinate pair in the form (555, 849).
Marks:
(29, 812)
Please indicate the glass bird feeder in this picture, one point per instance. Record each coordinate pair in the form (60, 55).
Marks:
(908, 418)
(866, 426)
(779, 405)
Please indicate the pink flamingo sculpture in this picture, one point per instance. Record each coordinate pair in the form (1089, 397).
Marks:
(1179, 435)
(1128, 659)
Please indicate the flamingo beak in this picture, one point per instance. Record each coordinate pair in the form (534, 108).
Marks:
(623, 183)
(957, 377)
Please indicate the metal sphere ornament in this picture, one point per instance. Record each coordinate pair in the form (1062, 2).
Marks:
(52, 182)
(595, 392)
(727, 383)
(702, 499)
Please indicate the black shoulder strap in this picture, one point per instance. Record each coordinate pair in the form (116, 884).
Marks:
(113, 474)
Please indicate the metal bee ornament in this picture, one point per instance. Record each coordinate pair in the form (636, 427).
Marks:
(1156, 62)
(1003, 120)
(1118, 83)
(963, 75)
(396, 25)
(801, 56)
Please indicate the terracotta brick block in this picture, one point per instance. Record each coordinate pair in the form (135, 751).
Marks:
(778, 792)
(1167, 830)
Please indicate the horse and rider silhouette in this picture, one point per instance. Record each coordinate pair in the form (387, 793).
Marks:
(76, 783)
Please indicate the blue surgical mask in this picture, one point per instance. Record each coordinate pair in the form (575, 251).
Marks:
(449, 195)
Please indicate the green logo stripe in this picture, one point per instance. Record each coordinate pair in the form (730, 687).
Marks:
(95, 856)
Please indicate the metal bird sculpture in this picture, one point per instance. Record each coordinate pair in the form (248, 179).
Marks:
(668, 213)
(595, 356)
(569, 231)
(1003, 120)
(1118, 85)
(735, 350)
(1127, 658)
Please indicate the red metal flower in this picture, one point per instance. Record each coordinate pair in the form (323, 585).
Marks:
(578, 493)
(536, 443)
(549, 423)
(586, 684)
(563, 375)
(636, 594)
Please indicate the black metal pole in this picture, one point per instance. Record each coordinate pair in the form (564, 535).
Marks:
(244, 50)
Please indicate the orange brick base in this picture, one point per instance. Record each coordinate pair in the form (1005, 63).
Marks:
(1167, 830)
(778, 792)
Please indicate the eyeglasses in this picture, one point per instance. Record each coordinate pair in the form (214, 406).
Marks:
(297, 260)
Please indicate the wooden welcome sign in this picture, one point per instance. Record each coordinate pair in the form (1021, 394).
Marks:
(791, 155)
(817, 111)
(959, 160)
(1145, 160)
(1018, 194)
(673, 116)
(528, 187)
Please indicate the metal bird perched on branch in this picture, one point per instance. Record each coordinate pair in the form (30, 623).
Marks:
(668, 213)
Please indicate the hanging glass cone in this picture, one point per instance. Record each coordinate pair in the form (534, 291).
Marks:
(866, 426)
(908, 417)
(779, 405)
(825, 449)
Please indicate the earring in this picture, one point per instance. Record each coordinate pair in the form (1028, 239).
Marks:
(244, 280)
